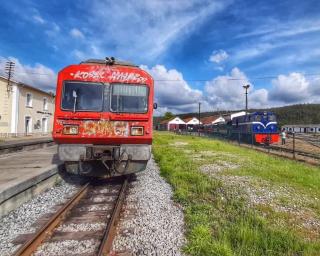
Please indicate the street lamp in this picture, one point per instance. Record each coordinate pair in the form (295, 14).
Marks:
(246, 87)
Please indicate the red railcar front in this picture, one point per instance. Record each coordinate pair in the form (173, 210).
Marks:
(103, 117)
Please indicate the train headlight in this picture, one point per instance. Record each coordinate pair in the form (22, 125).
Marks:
(136, 131)
(71, 129)
(258, 127)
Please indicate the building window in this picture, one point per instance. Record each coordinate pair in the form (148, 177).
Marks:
(44, 125)
(45, 104)
(29, 100)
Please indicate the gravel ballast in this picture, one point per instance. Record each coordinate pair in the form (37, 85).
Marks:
(21, 219)
(151, 224)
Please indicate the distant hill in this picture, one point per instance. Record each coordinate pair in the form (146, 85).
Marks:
(293, 114)
(298, 114)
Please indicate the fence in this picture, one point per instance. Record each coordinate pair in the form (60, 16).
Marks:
(302, 147)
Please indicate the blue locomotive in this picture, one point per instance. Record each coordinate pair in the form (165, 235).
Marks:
(257, 127)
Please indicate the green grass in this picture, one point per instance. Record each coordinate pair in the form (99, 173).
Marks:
(218, 219)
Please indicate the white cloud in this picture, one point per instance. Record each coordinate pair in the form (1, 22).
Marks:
(226, 92)
(292, 88)
(80, 55)
(76, 33)
(95, 52)
(38, 75)
(278, 43)
(314, 87)
(295, 28)
(38, 19)
(218, 56)
(157, 24)
(273, 29)
(53, 29)
(256, 50)
(172, 92)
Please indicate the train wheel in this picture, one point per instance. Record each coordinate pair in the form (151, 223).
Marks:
(72, 167)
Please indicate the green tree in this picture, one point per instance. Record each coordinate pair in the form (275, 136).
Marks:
(168, 115)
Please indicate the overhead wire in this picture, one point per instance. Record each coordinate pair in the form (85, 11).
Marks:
(194, 80)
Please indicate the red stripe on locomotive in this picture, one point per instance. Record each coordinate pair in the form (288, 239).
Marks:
(266, 138)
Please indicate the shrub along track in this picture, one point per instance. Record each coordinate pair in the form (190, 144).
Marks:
(85, 224)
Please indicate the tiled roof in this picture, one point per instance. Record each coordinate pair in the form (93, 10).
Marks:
(209, 119)
(165, 121)
(187, 119)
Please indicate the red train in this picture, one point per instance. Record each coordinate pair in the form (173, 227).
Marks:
(103, 117)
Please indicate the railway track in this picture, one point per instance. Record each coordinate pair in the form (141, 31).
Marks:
(313, 156)
(313, 140)
(297, 152)
(84, 225)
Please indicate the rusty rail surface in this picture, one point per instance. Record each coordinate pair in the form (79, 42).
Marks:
(109, 232)
(47, 230)
(31, 245)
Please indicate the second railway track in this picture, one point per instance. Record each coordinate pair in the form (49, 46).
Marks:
(84, 225)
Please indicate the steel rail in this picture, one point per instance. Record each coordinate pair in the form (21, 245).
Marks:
(109, 232)
(32, 244)
(298, 152)
(312, 156)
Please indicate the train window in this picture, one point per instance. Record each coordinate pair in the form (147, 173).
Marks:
(129, 98)
(79, 96)
(258, 118)
(272, 117)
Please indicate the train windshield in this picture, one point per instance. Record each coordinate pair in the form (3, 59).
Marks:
(79, 96)
(129, 98)
(272, 118)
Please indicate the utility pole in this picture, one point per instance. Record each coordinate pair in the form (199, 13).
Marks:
(246, 87)
(199, 116)
(9, 69)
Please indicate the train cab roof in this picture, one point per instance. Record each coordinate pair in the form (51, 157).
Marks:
(108, 61)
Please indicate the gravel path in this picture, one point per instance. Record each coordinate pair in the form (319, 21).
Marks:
(152, 224)
(20, 220)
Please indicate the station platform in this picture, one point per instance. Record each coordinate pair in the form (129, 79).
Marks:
(18, 140)
(22, 175)
(21, 144)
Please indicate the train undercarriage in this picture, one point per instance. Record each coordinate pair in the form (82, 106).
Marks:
(104, 160)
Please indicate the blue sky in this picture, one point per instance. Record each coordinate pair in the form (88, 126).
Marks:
(196, 50)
